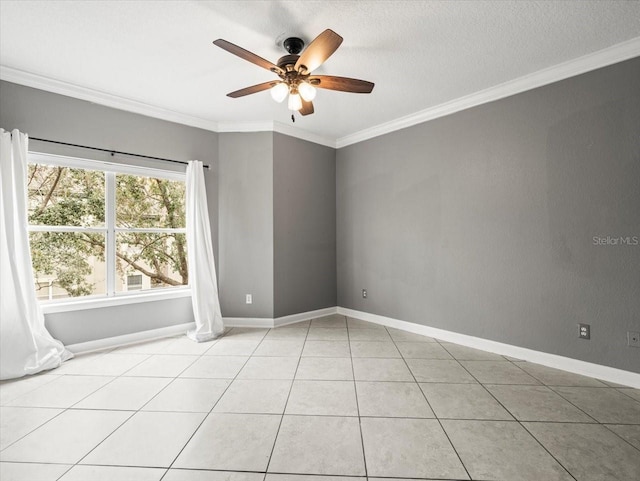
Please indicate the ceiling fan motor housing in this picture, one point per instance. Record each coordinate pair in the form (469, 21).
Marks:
(291, 60)
(293, 45)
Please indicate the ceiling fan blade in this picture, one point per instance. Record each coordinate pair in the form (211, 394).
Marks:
(246, 55)
(252, 90)
(307, 108)
(319, 50)
(343, 84)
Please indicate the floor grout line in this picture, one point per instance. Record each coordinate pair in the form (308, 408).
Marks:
(214, 404)
(284, 409)
(299, 357)
(136, 411)
(355, 388)
(515, 418)
(436, 416)
(79, 401)
(608, 428)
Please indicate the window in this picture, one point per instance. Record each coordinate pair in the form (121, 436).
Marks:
(134, 282)
(102, 229)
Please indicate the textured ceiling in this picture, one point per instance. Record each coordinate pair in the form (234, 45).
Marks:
(419, 53)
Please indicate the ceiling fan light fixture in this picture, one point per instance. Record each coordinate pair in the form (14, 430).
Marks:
(295, 102)
(307, 91)
(295, 70)
(279, 92)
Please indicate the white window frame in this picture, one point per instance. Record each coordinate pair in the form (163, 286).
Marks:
(111, 298)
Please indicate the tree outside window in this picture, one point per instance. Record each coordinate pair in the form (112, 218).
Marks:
(72, 231)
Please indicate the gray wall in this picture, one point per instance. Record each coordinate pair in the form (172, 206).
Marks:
(56, 117)
(246, 223)
(75, 327)
(253, 226)
(482, 222)
(304, 225)
(277, 225)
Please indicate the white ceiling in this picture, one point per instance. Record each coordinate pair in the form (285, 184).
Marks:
(420, 54)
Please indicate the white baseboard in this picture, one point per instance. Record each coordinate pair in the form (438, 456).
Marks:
(118, 341)
(576, 366)
(261, 322)
(267, 322)
(304, 316)
(584, 368)
(248, 322)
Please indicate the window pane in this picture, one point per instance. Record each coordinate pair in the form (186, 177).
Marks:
(150, 261)
(68, 264)
(148, 202)
(65, 197)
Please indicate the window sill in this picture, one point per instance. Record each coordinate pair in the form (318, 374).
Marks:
(52, 307)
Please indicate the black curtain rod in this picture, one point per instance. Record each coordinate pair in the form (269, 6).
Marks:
(113, 152)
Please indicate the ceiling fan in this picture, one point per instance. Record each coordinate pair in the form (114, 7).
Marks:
(295, 72)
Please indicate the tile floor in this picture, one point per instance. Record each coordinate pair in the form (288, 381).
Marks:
(335, 396)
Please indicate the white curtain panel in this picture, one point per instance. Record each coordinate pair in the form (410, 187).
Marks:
(25, 345)
(202, 270)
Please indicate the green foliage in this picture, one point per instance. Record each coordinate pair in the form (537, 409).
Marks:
(156, 250)
(65, 197)
(144, 202)
(61, 196)
(64, 255)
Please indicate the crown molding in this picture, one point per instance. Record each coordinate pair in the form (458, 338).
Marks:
(40, 82)
(102, 98)
(601, 58)
(245, 126)
(276, 127)
(303, 134)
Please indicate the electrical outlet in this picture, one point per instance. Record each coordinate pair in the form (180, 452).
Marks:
(364, 293)
(633, 339)
(249, 299)
(585, 331)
